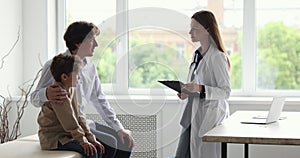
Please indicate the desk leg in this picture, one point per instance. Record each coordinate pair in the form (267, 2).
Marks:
(224, 150)
(246, 151)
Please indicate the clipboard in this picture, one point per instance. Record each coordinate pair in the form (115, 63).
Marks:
(176, 85)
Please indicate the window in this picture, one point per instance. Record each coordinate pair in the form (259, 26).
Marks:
(144, 41)
(278, 50)
(102, 14)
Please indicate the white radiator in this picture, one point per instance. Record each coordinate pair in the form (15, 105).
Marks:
(144, 132)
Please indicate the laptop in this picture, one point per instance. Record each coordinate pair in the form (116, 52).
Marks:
(273, 115)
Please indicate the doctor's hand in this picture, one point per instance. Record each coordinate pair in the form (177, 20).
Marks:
(182, 96)
(56, 94)
(193, 87)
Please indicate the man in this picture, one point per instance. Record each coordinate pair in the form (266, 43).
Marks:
(80, 41)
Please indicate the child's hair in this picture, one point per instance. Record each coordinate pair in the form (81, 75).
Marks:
(64, 64)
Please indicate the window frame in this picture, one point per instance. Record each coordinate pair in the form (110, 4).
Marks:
(249, 52)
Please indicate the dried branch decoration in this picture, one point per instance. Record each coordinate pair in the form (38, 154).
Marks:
(11, 49)
(7, 103)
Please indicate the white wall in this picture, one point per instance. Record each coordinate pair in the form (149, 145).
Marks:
(39, 34)
(35, 18)
(11, 20)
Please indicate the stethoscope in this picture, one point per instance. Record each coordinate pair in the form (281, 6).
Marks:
(197, 59)
(195, 63)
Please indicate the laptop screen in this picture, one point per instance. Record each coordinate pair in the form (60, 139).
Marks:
(276, 109)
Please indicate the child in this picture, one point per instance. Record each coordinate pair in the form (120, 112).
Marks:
(62, 125)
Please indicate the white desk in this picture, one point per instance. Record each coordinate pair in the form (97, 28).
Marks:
(282, 132)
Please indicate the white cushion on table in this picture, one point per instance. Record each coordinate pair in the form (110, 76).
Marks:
(34, 138)
(32, 149)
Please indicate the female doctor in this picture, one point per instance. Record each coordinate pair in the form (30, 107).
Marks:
(209, 81)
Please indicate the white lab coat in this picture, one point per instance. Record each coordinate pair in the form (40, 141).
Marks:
(212, 72)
